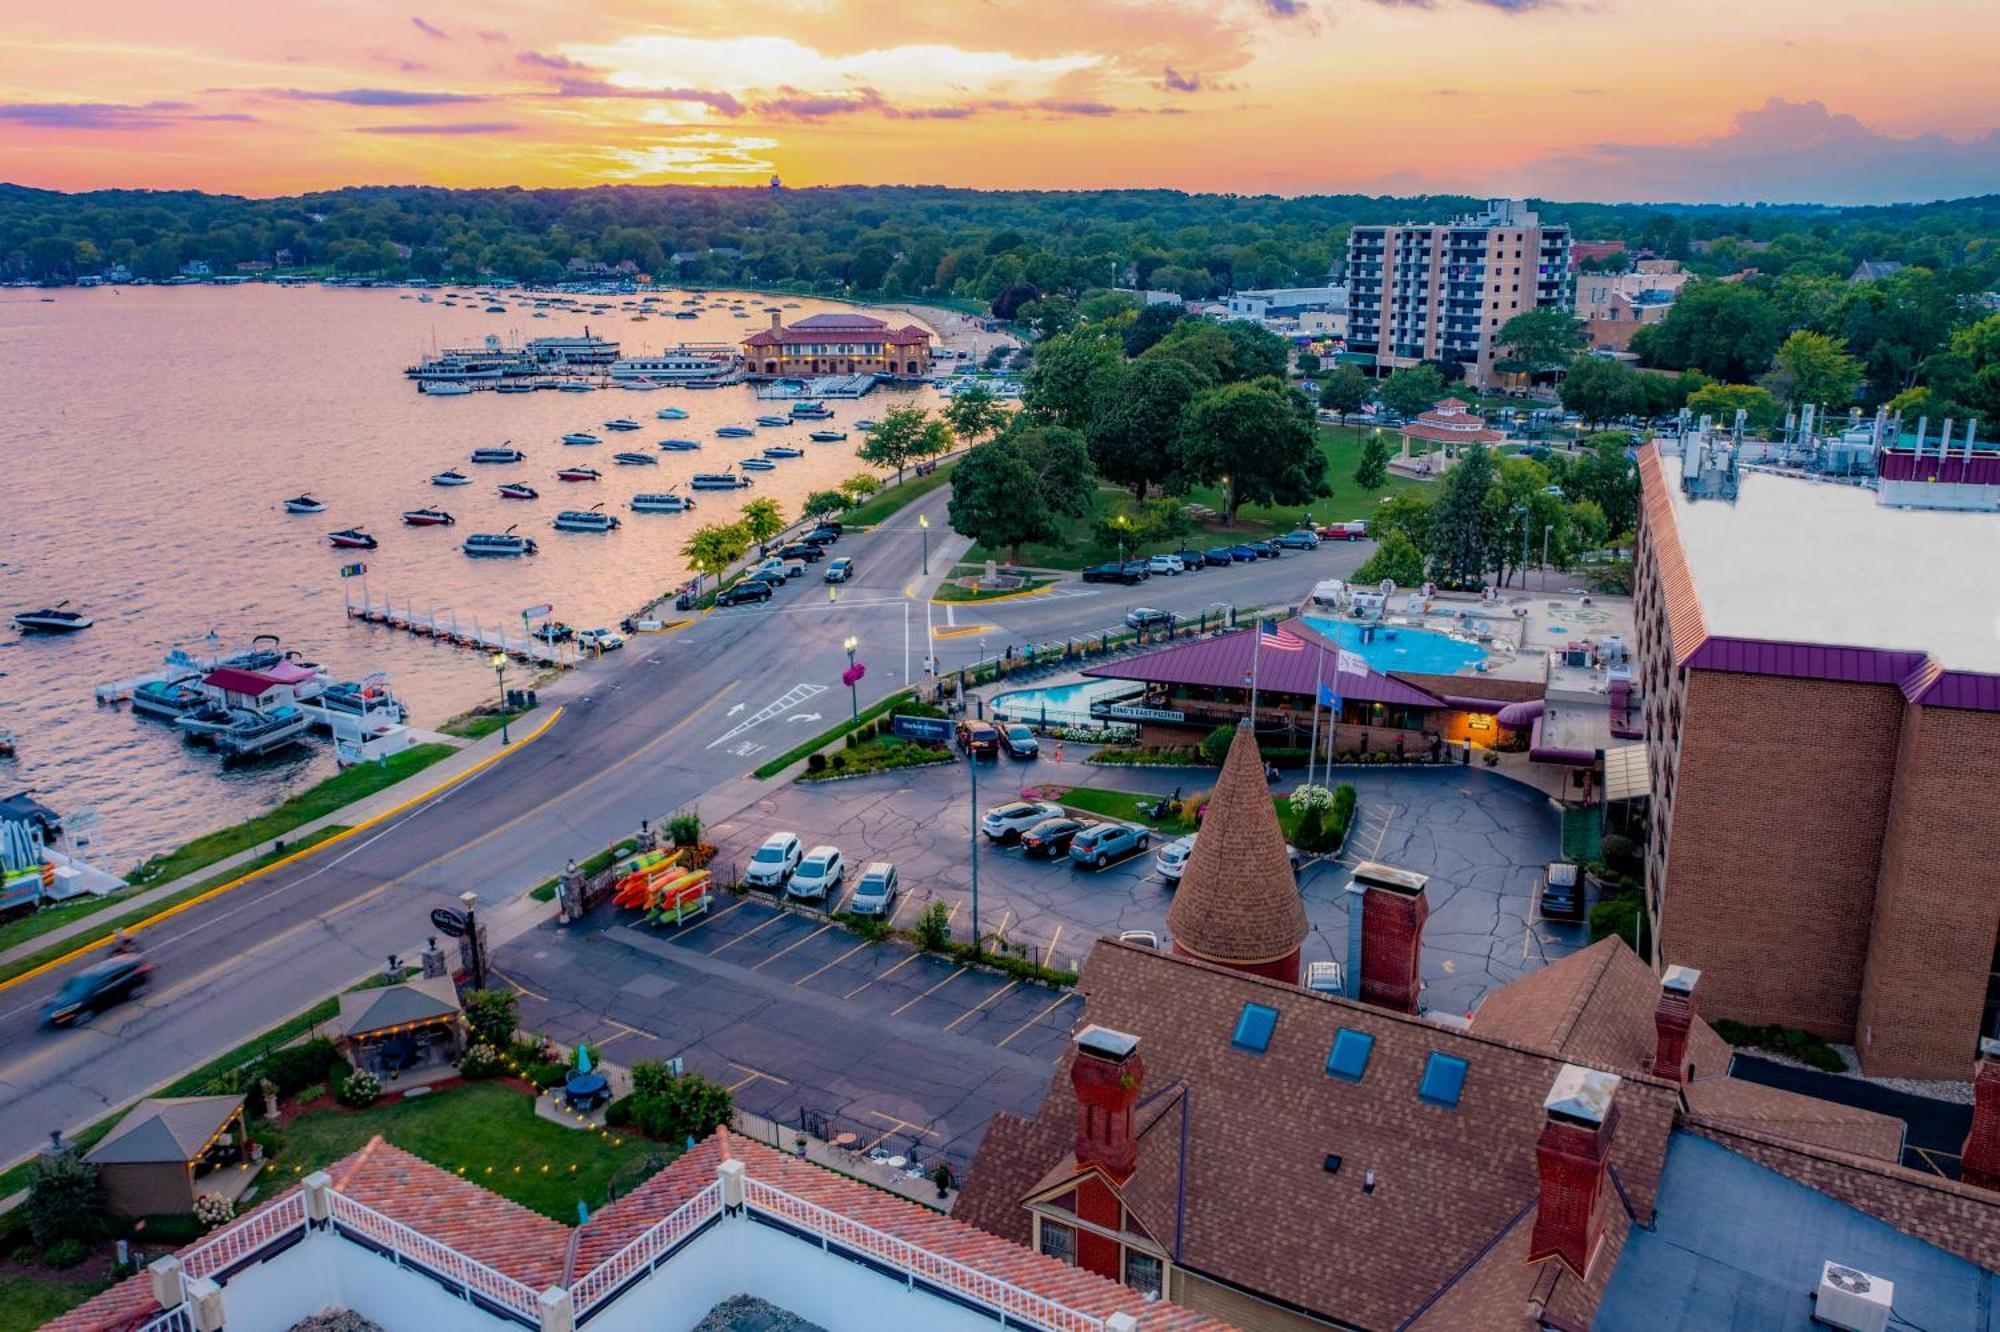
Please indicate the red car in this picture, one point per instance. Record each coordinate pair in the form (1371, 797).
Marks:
(979, 739)
(1349, 531)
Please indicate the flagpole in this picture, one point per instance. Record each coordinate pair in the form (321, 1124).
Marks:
(1256, 654)
(1312, 749)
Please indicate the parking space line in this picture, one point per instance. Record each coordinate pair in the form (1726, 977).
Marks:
(790, 946)
(755, 929)
(1049, 953)
(712, 917)
(997, 994)
(633, 1031)
(1060, 1000)
(517, 985)
(895, 1125)
(752, 1074)
(933, 990)
(884, 976)
(952, 914)
(829, 966)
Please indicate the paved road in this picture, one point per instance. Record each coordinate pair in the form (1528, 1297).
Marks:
(670, 722)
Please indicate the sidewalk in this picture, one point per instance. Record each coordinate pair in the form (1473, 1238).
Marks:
(443, 773)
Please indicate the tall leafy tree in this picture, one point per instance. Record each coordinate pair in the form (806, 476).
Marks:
(713, 548)
(1723, 401)
(1131, 434)
(762, 519)
(1150, 325)
(1017, 488)
(1540, 340)
(1461, 526)
(1605, 475)
(1255, 352)
(1725, 329)
(1372, 469)
(1072, 374)
(1601, 390)
(1413, 390)
(1252, 439)
(1397, 558)
(901, 437)
(974, 413)
(1344, 390)
(1814, 368)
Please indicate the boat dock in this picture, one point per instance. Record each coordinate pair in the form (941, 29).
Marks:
(445, 626)
(829, 386)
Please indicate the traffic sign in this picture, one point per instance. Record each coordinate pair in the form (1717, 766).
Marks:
(449, 923)
(536, 612)
(922, 728)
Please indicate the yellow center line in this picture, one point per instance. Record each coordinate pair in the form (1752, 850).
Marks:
(1061, 999)
(754, 929)
(884, 976)
(933, 990)
(790, 946)
(997, 994)
(836, 962)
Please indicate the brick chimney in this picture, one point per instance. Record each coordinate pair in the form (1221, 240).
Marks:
(1393, 911)
(775, 317)
(1979, 1159)
(1673, 1019)
(1571, 1156)
(1106, 1073)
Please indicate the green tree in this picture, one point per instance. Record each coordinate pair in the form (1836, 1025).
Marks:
(1967, 371)
(491, 1017)
(762, 519)
(65, 1199)
(1539, 340)
(901, 437)
(1215, 745)
(1461, 528)
(1723, 401)
(1070, 376)
(1255, 352)
(1413, 391)
(1200, 344)
(1308, 362)
(821, 502)
(1599, 390)
(1372, 470)
(860, 486)
(1411, 512)
(974, 413)
(1604, 476)
(1724, 329)
(1344, 390)
(712, 548)
(1018, 487)
(1150, 325)
(1251, 439)
(1397, 558)
(1814, 368)
(1131, 434)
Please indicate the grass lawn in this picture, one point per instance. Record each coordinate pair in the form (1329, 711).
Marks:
(959, 592)
(316, 801)
(1342, 446)
(1122, 806)
(486, 1131)
(891, 498)
(26, 1303)
(477, 725)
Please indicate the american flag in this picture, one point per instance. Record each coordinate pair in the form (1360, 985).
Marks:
(1269, 635)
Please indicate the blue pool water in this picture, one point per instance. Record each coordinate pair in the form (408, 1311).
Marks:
(1068, 703)
(1422, 650)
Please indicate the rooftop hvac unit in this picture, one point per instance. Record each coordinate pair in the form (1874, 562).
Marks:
(1853, 1300)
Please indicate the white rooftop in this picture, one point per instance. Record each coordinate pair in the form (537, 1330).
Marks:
(1799, 560)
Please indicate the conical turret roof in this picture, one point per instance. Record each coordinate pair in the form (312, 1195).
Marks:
(1238, 902)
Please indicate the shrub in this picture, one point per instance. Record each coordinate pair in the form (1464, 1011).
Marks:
(1315, 798)
(684, 828)
(689, 1107)
(815, 762)
(1624, 916)
(359, 1089)
(650, 1077)
(1215, 745)
(837, 762)
(212, 1210)
(492, 1017)
(548, 1073)
(65, 1199)
(869, 929)
(619, 1113)
(1788, 1041)
(481, 1061)
(933, 928)
(1621, 855)
(65, 1253)
(1309, 833)
(1340, 814)
(297, 1067)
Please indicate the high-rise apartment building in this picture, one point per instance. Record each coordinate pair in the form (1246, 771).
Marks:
(1441, 291)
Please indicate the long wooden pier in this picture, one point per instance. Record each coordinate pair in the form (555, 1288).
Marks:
(444, 625)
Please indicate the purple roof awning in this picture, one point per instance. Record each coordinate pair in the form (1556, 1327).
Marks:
(1224, 662)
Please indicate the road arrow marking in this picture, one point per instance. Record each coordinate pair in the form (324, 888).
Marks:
(733, 711)
(803, 716)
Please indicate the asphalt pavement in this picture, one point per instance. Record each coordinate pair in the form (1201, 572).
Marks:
(672, 721)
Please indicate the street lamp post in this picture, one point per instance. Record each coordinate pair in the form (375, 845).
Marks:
(1121, 524)
(972, 760)
(853, 680)
(1546, 529)
(924, 526)
(500, 678)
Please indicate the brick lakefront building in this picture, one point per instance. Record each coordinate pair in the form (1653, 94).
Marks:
(1821, 673)
(837, 344)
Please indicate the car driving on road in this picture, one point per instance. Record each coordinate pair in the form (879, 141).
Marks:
(1004, 823)
(1146, 617)
(773, 862)
(96, 988)
(819, 875)
(839, 571)
(1101, 843)
(876, 891)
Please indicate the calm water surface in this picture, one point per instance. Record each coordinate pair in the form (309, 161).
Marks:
(148, 436)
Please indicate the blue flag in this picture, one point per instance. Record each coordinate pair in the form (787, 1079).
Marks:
(1327, 698)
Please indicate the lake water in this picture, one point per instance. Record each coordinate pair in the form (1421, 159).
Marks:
(149, 435)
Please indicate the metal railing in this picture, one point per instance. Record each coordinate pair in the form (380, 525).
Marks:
(175, 1319)
(1011, 1301)
(610, 1276)
(245, 1238)
(471, 1275)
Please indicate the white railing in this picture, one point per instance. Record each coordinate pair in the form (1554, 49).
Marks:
(1016, 1304)
(474, 1276)
(171, 1320)
(604, 1280)
(244, 1238)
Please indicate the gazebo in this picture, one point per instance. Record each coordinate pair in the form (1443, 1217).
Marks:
(169, 1151)
(1449, 426)
(415, 1028)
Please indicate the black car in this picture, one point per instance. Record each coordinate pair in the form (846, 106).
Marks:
(1264, 550)
(1562, 890)
(802, 550)
(821, 536)
(1051, 837)
(96, 988)
(1132, 571)
(1019, 741)
(1221, 555)
(1192, 559)
(775, 577)
(750, 589)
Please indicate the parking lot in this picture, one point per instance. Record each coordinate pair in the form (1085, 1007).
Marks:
(799, 1016)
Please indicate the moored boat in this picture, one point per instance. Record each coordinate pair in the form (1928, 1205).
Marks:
(347, 538)
(757, 464)
(680, 445)
(622, 423)
(672, 414)
(514, 490)
(592, 519)
(827, 436)
(811, 411)
(168, 698)
(635, 459)
(784, 451)
(660, 501)
(427, 517)
(581, 473)
(251, 733)
(581, 437)
(734, 432)
(450, 476)
(304, 504)
(444, 388)
(52, 620)
(718, 481)
(499, 454)
(508, 542)
(772, 421)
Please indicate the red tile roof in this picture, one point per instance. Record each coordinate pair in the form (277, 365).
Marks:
(1238, 900)
(1686, 626)
(799, 335)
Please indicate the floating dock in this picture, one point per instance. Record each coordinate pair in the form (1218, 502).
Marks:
(445, 626)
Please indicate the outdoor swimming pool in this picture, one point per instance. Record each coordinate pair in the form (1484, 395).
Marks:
(1069, 704)
(1401, 648)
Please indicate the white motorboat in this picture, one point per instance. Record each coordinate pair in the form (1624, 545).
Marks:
(304, 504)
(450, 476)
(582, 437)
(52, 620)
(445, 388)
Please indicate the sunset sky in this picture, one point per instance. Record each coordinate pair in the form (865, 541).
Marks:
(1698, 100)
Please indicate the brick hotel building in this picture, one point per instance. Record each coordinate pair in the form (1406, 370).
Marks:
(1821, 673)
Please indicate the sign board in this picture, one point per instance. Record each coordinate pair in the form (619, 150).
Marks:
(1125, 713)
(922, 728)
(449, 923)
(536, 612)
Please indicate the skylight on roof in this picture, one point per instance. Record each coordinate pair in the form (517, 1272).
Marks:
(1444, 1079)
(1254, 1028)
(1348, 1059)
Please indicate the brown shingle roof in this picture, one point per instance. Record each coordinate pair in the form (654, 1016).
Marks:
(1739, 1104)
(1238, 900)
(1261, 1210)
